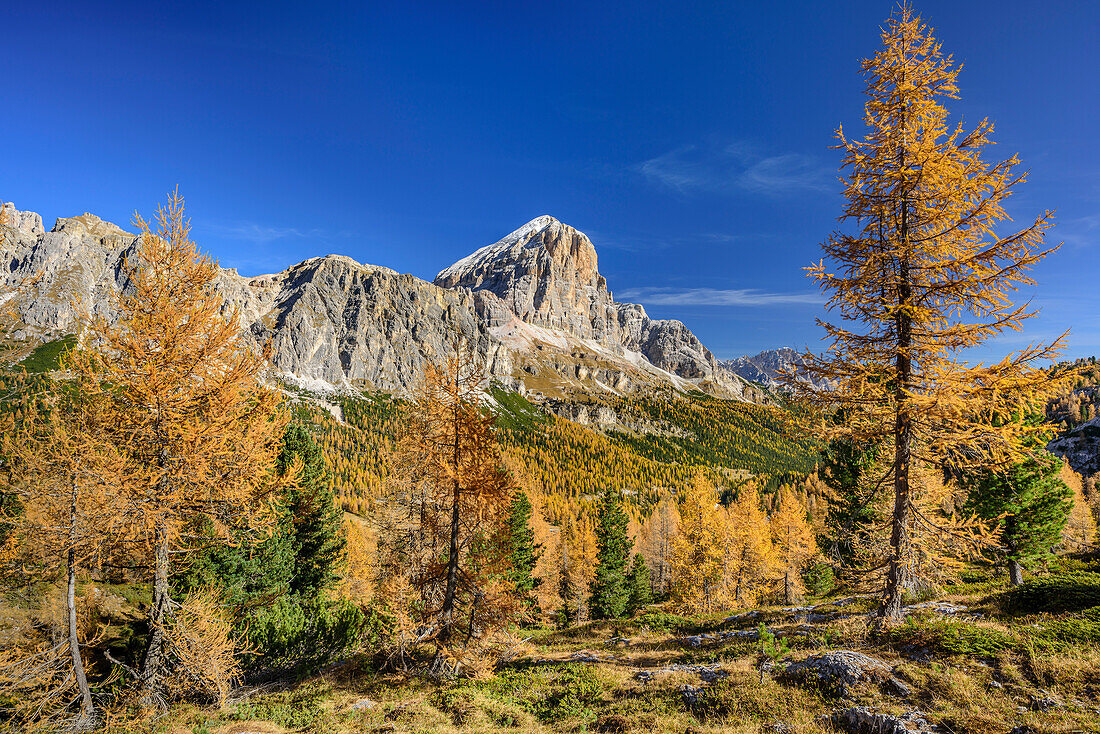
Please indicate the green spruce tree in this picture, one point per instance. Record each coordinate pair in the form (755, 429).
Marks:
(277, 584)
(1028, 503)
(638, 581)
(317, 523)
(523, 551)
(610, 591)
(846, 469)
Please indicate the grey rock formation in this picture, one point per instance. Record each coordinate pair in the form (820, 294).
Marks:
(767, 366)
(1080, 447)
(327, 320)
(838, 670)
(28, 222)
(861, 720)
(546, 274)
(533, 307)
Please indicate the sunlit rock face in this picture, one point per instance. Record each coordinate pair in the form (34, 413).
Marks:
(532, 305)
(546, 274)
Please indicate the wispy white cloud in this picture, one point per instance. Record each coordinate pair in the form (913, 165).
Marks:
(1078, 232)
(265, 234)
(737, 166)
(716, 297)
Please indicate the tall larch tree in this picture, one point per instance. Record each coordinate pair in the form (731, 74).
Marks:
(67, 478)
(578, 561)
(795, 545)
(656, 539)
(919, 276)
(695, 570)
(200, 431)
(748, 557)
(451, 477)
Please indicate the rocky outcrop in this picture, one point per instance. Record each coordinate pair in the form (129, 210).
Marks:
(1080, 447)
(546, 274)
(767, 367)
(533, 307)
(28, 222)
(862, 720)
(837, 671)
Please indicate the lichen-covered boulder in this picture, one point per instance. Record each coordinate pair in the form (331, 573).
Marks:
(838, 670)
(861, 720)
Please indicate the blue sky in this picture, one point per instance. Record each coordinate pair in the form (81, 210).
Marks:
(689, 140)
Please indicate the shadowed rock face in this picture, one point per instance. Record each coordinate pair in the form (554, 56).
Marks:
(333, 320)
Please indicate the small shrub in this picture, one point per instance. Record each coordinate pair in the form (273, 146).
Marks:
(819, 579)
(300, 708)
(658, 621)
(1069, 631)
(1061, 592)
(952, 637)
(770, 646)
(568, 691)
(300, 633)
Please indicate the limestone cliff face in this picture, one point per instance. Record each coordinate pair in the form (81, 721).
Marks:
(546, 274)
(533, 307)
(328, 319)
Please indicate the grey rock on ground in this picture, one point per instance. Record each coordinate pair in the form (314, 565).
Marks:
(836, 671)
(861, 720)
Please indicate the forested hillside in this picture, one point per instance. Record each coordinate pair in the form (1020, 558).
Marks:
(729, 440)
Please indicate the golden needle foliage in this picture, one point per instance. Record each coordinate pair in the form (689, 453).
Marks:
(68, 479)
(185, 404)
(201, 646)
(795, 545)
(448, 498)
(921, 275)
(696, 579)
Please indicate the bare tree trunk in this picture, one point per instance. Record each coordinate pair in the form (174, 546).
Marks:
(790, 593)
(446, 615)
(153, 663)
(1015, 572)
(87, 710)
(897, 580)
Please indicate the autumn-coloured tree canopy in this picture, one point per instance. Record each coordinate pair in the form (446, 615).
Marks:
(920, 274)
(448, 505)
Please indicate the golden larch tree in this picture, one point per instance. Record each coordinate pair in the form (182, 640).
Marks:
(656, 538)
(749, 560)
(795, 545)
(696, 582)
(200, 431)
(920, 276)
(577, 561)
(68, 478)
(449, 476)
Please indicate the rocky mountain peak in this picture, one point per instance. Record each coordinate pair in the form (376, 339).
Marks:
(532, 306)
(89, 224)
(543, 245)
(28, 222)
(545, 273)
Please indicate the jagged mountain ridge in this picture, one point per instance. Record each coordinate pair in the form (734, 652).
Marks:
(766, 367)
(532, 306)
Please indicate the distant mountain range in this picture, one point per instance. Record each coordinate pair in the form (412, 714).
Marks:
(767, 366)
(533, 306)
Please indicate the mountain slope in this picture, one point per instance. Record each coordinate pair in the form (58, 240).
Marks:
(767, 366)
(533, 307)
